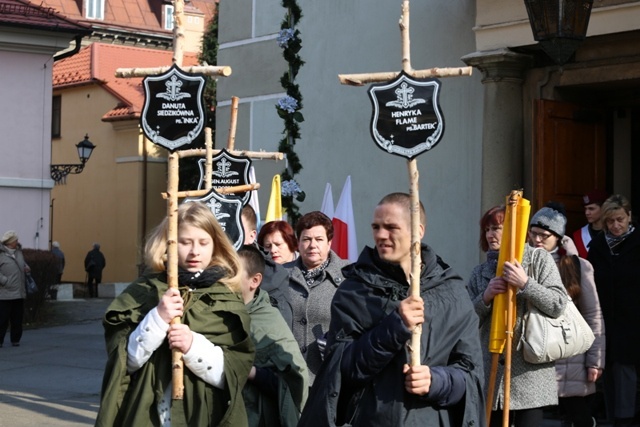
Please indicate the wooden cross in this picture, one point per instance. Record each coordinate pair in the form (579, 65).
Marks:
(172, 193)
(360, 80)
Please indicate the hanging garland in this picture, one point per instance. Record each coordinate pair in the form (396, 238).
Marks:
(288, 108)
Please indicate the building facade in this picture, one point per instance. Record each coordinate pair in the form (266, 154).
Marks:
(520, 121)
(30, 37)
(361, 36)
(117, 200)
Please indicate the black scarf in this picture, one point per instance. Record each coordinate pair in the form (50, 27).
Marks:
(202, 278)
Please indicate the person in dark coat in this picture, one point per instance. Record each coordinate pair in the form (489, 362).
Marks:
(366, 379)
(55, 249)
(615, 256)
(94, 263)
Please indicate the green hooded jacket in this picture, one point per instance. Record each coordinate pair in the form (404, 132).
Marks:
(132, 399)
(277, 350)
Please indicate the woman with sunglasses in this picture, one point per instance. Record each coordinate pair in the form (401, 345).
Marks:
(576, 375)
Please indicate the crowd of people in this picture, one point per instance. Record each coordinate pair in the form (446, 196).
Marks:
(284, 332)
(324, 342)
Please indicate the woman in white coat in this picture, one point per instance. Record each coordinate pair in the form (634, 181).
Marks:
(576, 375)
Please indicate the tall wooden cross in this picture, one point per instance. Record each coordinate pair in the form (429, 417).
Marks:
(172, 195)
(360, 80)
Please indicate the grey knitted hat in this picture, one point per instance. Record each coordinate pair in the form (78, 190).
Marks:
(551, 220)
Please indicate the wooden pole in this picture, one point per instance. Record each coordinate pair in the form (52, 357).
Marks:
(414, 193)
(172, 210)
(416, 260)
(231, 141)
(207, 70)
(221, 190)
(493, 374)
(194, 152)
(208, 163)
(365, 78)
(178, 32)
(177, 364)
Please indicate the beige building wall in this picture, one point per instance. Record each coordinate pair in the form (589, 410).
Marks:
(106, 202)
(194, 27)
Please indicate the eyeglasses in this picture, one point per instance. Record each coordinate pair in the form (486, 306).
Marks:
(539, 236)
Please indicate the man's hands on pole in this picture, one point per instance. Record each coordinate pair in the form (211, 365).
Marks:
(417, 378)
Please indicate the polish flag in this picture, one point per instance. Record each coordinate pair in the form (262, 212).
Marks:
(253, 199)
(344, 227)
(327, 202)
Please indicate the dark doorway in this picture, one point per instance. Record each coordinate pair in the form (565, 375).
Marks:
(570, 155)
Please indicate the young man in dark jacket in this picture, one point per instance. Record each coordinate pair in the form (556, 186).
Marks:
(366, 379)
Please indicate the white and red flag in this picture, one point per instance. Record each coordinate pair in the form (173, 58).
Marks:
(253, 200)
(344, 227)
(327, 202)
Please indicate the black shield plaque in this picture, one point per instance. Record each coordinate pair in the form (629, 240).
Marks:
(227, 171)
(227, 210)
(406, 119)
(173, 115)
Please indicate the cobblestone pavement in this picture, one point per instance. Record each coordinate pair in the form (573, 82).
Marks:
(53, 378)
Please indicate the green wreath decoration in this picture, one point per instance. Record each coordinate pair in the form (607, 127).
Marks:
(289, 108)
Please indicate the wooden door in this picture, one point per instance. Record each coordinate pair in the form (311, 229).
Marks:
(569, 156)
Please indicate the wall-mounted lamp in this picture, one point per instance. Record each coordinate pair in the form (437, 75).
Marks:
(559, 25)
(59, 172)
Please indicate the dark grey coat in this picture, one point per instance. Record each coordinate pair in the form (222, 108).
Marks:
(311, 308)
(12, 277)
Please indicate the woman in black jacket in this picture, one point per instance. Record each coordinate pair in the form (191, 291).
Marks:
(615, 256)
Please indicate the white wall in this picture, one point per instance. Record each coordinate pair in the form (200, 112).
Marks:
(25, 142)
(354, 37)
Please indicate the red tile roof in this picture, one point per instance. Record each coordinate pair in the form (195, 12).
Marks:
(97, 63)
(143, 15)
(21, 13)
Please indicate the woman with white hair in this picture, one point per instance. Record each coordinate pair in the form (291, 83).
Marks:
(12, 287)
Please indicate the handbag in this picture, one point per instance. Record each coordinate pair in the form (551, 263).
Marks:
(30, 285)
(545, 339)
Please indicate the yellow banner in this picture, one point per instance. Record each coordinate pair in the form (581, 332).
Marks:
(499, 328)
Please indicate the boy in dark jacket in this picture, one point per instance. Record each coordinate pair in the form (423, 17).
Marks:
(366, 378)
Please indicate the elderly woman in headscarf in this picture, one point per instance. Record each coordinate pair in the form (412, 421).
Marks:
(12, 287)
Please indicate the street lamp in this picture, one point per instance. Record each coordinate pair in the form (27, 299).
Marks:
(559, 25)
(59, 172)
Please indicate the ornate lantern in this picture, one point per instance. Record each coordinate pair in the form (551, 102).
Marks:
(559, 25)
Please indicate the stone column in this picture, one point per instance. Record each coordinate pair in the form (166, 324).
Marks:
(502, 136)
